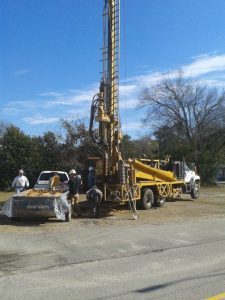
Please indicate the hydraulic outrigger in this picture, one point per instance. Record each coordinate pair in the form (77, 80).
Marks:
(122, 180)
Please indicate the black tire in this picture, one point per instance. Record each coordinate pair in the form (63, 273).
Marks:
(195, 191)
(160, 201)
(147, 199)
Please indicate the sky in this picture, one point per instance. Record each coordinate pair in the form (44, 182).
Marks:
(50, 56)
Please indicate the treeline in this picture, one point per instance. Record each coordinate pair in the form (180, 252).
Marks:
(54, 151)
(51, 151)
(188, 120)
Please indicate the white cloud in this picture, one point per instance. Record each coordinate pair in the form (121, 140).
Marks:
(205, 64)
(128, 103)
(203, 55)
(37, 120)
(77, 113)
(132, 125)
(72, 97)
(22, 107)
(51, 94)
(127, 88)
(21, 72)
(11, 111)
(146, 79)
(75, 103)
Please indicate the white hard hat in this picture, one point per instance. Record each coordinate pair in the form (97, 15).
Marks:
(21, 171)
(72, 171)
(90, 168)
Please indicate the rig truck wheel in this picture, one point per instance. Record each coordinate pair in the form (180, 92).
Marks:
(195, 191)
(147, 199)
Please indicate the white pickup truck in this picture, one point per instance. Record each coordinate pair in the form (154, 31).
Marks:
(190, 177)
(41, 201)
(192, 182)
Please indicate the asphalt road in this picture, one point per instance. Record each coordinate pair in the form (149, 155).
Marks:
(175, 260)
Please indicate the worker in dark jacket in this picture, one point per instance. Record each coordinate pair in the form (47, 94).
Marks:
(74, 186)
(94, 196)
(91, 177)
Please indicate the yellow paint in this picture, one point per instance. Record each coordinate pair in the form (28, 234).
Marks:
(217, 297)
(155, 174)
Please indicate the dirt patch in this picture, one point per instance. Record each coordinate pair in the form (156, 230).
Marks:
(210, 204)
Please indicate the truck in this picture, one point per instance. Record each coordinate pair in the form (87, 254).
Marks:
(41, 201)
(148, 182)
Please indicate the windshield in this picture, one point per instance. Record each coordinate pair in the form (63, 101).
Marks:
(186, 168)
(47, 176)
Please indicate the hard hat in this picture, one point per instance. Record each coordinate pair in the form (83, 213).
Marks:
(90, 168)
(21, 171)
(72, 171)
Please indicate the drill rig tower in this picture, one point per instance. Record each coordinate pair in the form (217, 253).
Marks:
(105, 103)
(122, 180)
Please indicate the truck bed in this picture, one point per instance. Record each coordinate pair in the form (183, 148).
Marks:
(37, 203)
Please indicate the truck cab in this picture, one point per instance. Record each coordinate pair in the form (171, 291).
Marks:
(190, 177)
(44, 179)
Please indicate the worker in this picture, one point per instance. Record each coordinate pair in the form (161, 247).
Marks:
(54, 181)
(74, 186)
(94, 197)
(91, 177)
(20, 182)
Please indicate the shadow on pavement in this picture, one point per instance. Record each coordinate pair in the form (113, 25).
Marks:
(180, 200)
(26, 222)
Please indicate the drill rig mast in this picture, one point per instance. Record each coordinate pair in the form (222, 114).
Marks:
(105, 103)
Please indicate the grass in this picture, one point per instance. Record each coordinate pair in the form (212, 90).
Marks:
(5, 196)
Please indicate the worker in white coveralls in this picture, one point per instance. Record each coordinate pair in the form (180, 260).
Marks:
(20, 182)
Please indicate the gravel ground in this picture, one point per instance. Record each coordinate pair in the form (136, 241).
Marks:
(211, 204)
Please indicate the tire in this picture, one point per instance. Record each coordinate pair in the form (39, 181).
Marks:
(195, 191)
(160, 201)
(147, 199)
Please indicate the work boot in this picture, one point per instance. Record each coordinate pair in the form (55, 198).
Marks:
(76, 210)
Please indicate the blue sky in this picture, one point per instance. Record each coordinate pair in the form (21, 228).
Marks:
(50, 55)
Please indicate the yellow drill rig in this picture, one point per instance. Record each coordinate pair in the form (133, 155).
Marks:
(118, 179)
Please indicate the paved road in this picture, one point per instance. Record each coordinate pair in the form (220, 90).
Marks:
(183, 260)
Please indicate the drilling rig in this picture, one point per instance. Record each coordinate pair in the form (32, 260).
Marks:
(118, 179)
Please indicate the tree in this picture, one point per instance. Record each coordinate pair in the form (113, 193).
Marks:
(187, 116)
(51, 151)
(33, 154)
(13, 153)
(77, 146)
(3, 127)
(128, 147)
(139, 148)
